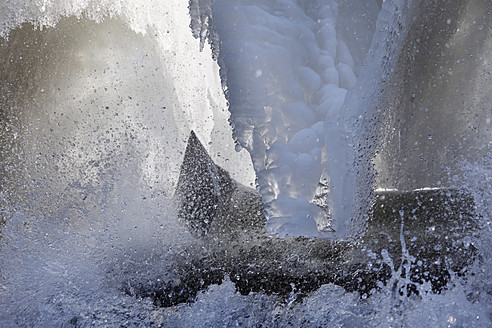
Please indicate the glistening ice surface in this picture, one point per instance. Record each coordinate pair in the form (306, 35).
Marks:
(292, 120)
(330, 99)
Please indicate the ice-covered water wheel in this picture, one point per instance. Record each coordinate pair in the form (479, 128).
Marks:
(412, 237)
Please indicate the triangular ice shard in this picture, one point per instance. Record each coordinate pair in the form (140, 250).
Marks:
(202, 187)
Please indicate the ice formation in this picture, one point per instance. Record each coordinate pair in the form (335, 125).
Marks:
(297, 76)
(287, 67)
(97, 104)
(278, 113)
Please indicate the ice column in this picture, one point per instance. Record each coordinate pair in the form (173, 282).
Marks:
(286, 72)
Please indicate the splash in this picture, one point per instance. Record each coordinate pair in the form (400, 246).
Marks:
(300, 126)
(98, 103)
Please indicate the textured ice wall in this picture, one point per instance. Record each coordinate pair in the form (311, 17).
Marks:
(286, 68)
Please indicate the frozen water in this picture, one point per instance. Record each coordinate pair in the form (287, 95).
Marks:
(276, 112)
(320, 99)
(97, 104)
(182, 91)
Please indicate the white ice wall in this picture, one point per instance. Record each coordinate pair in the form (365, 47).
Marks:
(287, 66)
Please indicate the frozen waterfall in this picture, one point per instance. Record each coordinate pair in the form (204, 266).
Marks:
(302, 125)
(292, 75)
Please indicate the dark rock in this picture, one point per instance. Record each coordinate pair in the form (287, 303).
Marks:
(202, 186)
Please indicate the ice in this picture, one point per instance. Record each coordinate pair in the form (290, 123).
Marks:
(306, 69)
(85, 194)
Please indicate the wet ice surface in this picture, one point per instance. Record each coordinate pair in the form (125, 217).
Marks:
(292, 120)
